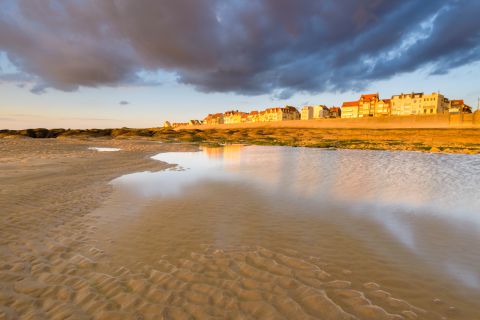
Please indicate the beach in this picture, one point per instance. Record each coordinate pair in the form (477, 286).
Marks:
(76, 244)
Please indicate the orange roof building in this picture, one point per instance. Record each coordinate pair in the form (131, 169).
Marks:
(367, 105)
(459, 106)
(350, 109)
(335, 112)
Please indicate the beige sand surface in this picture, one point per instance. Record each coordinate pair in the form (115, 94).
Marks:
(54, 263)
(46, 185)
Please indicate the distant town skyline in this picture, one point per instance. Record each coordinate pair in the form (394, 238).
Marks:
(138, 63)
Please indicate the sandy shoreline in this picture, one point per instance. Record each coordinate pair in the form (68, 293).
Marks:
(54, 265)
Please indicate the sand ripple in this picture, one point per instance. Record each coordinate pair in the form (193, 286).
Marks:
(236, 283)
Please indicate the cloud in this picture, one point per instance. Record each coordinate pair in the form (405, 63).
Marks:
(7, 119)
(39, 88)
(277, 47)
(15, 77)
(124, 103)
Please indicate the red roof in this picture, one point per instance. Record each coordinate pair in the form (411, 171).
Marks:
(234, 113)
(369, 96)
(457, 102)
(350, 104)
(280, 109)
(213, 116)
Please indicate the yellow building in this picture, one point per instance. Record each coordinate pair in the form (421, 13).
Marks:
(213, 119)
(350, 109)
(234, 116)
(253, 116)
(272, 114)
(366, 105)
(418, 104)
(382, 108)
(262, 116)
(280, 114)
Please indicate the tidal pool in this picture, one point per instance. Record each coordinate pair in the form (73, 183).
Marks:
(406, 221)
(104, 149)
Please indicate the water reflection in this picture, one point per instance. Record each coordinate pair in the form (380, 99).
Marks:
(192, 167)
(104, 149)
(429, 203)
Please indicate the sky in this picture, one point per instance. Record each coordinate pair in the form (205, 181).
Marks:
(137, 63)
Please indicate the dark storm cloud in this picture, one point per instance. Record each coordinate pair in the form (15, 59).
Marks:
(249, 47)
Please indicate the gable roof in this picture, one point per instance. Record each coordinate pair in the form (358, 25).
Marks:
(350, 104)
(369, 96)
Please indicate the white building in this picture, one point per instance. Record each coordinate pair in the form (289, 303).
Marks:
(320, 112)
(315, 112)
(307, 113)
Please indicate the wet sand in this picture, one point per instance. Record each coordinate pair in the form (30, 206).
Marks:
(73, 246)
(46, 189)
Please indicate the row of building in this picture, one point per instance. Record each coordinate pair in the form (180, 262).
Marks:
(267, 115)
(405, 104)
(369, 105)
